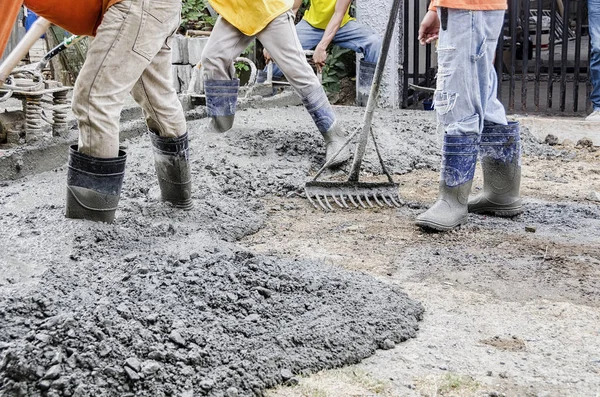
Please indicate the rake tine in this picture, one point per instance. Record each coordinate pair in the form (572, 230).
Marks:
(367, 200)
(343, 201)
(352, 200)
(360, 201)
(310, 199)
(336, 201)
(327, 202)
(394, 201)
(321, 203)
(377, 200)
(386, 200)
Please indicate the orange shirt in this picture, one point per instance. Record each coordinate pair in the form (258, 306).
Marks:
(473, 5)
(80, 17)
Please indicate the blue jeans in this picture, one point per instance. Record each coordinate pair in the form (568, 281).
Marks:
(466, 89)
(594, 24)
(359, 38)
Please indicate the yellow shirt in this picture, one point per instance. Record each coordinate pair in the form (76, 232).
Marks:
(321, 11)
(472, 5)
(248, 16)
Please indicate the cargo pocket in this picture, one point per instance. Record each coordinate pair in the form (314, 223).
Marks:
(159, 21)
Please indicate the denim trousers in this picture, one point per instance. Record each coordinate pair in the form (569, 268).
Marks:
(353, 35)
(594, 26)
(131, 53)
(466, 88)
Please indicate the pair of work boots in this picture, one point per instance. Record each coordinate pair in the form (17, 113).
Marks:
(221, 102)
(94, 184)
(500, 149)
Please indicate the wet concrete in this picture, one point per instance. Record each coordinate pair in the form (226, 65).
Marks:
(163, 301)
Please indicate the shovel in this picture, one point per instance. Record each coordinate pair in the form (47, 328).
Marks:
(353, 191)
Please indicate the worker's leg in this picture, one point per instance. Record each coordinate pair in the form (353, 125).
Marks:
(308, 36)
(132, 32)
(279, 38)
(220, 84)
(359, 38)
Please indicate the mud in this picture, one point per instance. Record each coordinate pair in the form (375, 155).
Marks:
(254, 287)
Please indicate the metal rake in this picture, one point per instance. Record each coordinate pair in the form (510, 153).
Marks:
(360, 194)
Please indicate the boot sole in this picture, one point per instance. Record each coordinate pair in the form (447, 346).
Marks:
(500, 212)
(438, 226)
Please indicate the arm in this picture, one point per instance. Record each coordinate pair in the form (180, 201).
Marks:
(297, 5)
(430, 28)
(341, 7)
(10, 12)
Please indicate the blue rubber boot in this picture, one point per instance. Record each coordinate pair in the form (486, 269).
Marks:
(320, 110)
(221, 101)
(366, 71)
(94, 186)
(171, 161)
(459, 159)
(501, 164)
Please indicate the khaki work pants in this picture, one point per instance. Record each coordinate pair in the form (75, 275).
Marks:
(131, 53)
(279, 37)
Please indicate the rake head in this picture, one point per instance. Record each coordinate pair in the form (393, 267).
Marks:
(347, 194)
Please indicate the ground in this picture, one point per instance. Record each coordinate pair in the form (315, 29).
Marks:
(511, 306)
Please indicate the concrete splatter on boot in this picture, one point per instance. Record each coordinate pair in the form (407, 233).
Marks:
(366, 70)
(320, 109)
(221, 102)
(171, 161)
(459, 159)
(94, 186)
(501, 164)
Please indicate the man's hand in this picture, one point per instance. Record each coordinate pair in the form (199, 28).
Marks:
(319, 57)
(429, 29)
(266, 55)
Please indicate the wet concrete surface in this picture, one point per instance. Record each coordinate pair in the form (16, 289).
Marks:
(168, 302)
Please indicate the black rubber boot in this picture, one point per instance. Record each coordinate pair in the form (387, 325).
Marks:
(221, 102)
(320, 110)
(171, 160)
(94, 186)
(501, 165)
(459, 159)
(366, 70)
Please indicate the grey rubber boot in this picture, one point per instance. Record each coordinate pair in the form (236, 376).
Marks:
(459, 159)
(94, 186)
(171, 161)
(366, 70)
(320, 110)
(334, 140)
(501, 164)
(221, 101)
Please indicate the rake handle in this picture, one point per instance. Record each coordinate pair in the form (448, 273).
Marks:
(372, 101)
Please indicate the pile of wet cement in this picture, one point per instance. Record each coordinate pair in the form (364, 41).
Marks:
(162, 303)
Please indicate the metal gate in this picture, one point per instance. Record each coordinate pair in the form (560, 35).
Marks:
(542, 58)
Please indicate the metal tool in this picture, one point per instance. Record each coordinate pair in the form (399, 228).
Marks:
(353, 191)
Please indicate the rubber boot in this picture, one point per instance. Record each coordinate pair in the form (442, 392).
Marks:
(171, 160)
(459, 159)
(366, 70)
(94, 186)
(320, 110)
(501, 164)
(221, 101)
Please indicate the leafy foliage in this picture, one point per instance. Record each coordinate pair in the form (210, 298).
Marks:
(337, 66)
(195, 15)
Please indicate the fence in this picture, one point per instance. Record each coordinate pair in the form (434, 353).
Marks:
(542, 58)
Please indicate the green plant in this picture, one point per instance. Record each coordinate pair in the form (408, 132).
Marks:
(335, 68)
(241, 67)
(195, 14)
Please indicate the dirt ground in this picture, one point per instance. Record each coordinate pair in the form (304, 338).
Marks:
(512, 306)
